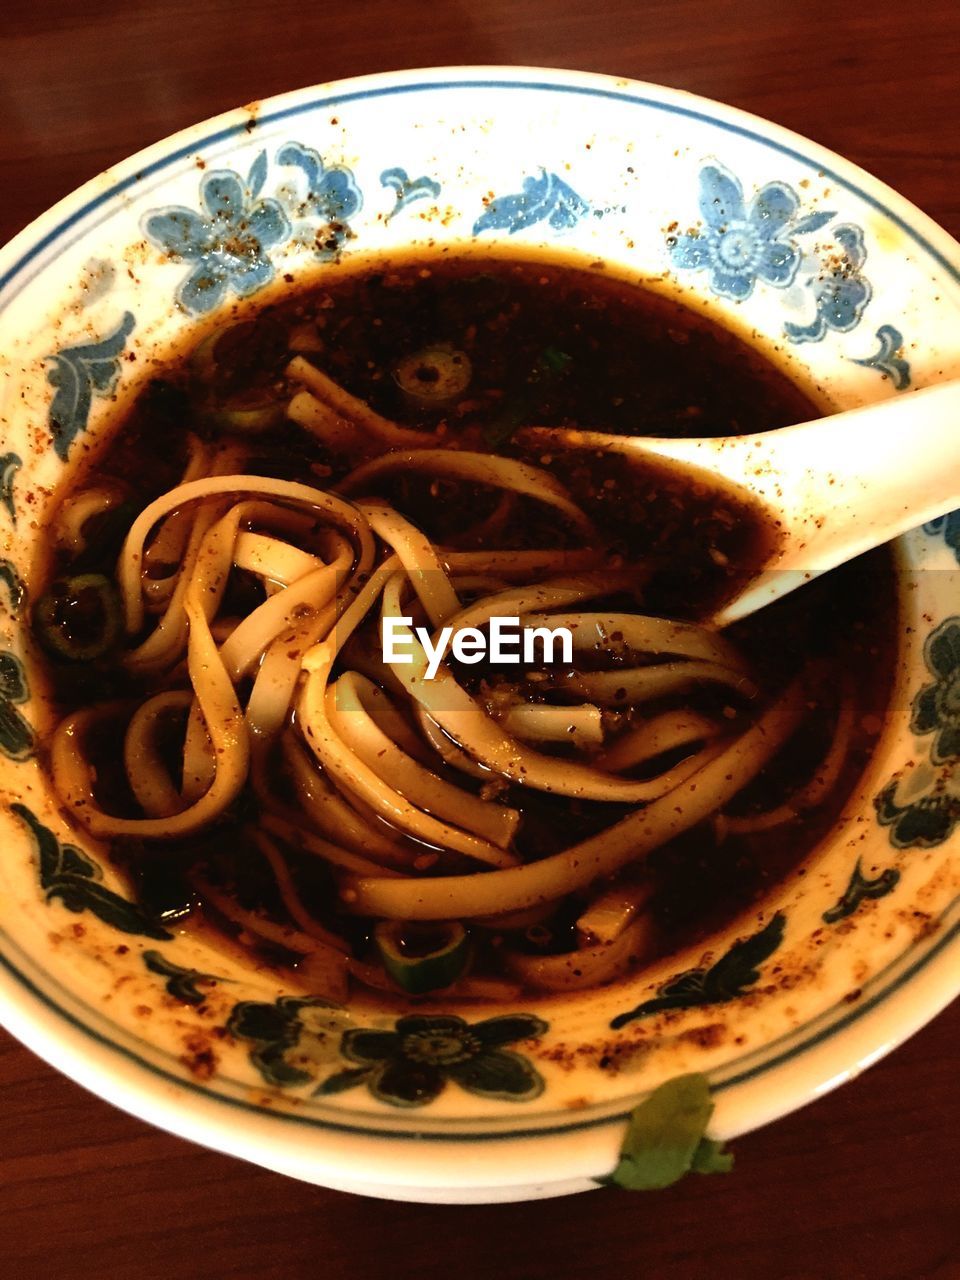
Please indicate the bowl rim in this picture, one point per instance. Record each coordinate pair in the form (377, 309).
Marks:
(918, 990)
(112, 181)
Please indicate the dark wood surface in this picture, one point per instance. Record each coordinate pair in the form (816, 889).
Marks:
(863, 1184)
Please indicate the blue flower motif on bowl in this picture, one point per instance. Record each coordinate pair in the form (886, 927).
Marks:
(226, 242)
(411, 1065)
(936, 708)
(332, 198)
(923, 810)
(840, 290)
(923, 823)
(949, 526)
(740, 242)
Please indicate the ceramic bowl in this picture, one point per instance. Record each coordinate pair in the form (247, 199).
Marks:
(860, 295)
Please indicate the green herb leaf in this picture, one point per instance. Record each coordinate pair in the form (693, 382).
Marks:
(500, 429)
(553, 360)
(665, 1138)
(710, 1157)
(549, 365)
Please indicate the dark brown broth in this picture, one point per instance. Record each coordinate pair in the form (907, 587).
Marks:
(554, 346)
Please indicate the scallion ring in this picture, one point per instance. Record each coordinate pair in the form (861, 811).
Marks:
(79, 618)
(421, 959)
(435, 376)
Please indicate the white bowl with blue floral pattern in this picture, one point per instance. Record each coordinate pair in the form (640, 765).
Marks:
(860, 293)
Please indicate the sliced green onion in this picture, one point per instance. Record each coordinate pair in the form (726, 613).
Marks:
(79, 618)
(434, 376)
(421, 959)
(202, 357)
(248, 421)
(241, 405)
(554, 361)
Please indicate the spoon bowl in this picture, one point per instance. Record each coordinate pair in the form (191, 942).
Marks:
(835, 487)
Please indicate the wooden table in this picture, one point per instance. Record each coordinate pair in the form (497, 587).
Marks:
(863, 1184)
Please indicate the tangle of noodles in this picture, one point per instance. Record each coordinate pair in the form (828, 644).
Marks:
(315, 796)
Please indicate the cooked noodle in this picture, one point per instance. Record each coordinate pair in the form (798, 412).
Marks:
(258, 709)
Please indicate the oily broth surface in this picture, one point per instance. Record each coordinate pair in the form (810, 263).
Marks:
(552, 346)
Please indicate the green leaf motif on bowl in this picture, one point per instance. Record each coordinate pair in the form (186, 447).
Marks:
(407, 189)
(10, 464)
(16, 588)
(16, 734)
(181, 982)
(77, 374)
(73, 877)
(861, 889)
(731, 976)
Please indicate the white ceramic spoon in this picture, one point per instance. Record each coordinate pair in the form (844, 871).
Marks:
(838, 486)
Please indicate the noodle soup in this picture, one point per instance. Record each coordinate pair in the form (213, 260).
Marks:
(376, 451)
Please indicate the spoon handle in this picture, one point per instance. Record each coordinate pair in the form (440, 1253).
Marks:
(854, 479)
(838, 486)
(844, 484)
